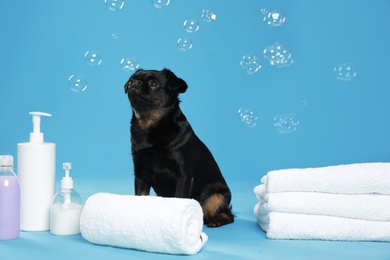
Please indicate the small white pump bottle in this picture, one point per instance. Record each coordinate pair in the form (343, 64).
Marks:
(66, 207)
(36, 172)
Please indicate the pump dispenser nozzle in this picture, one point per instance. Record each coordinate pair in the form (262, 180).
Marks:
(67, 181)
(36, 136)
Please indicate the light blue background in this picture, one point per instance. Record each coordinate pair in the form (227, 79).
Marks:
(43, 43)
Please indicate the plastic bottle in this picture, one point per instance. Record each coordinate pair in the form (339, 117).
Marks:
(66, 207)
(36, 172)
(9, 200)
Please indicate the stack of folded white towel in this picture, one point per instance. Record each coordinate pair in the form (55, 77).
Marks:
(343, 202)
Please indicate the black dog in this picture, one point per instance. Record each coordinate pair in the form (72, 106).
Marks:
(167, 154)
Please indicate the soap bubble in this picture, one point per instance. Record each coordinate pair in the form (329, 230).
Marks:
(345, 71)
(278, 55)
(129, 64)
(286, 123)
(114, 36)
(184, 43)
(273, 18)
(114, 5)
(77, 82)
(191, 25)
(208, 15)
(160, 3)
(250, 63)
(248, 116)
(93, 58)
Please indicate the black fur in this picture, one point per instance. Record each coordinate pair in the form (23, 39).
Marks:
(167, 154)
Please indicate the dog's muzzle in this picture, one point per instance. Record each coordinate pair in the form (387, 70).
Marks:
(132, 86)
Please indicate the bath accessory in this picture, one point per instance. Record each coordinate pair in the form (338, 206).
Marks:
(278, 225)
(9, 200)
(148, 223)
(36, 173)
(66, 206)
(358, 206)
(355, 178)
(342, 202)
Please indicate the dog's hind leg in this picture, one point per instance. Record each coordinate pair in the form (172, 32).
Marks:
(216, 210)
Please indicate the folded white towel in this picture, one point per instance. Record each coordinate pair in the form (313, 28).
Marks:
(279, 225)
(149, 223)
(358, 206)
(349, 178)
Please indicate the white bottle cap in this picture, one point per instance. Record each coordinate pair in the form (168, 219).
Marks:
(67, 181)
(6, 160)
(36, 136)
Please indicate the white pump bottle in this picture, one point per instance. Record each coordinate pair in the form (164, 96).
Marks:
(66, 207)
(36, 172)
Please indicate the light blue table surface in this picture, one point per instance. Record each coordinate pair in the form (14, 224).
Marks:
(241, 240)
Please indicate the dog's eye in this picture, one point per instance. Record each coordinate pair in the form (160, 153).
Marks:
(153, 83)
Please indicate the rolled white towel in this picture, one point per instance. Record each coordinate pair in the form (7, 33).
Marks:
(357, 206)
(278, 225)
(149, 223)
(348, 178)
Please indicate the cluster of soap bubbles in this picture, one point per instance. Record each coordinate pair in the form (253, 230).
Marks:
(248, 116)
(278, 55)
(273, 18)
(345, 71)
(250, 63)
(127, 64)
(160, 3)
(185, 43)
(286, 123)
(191, 25)
(283, 124)
(114, 5)
(78, 82)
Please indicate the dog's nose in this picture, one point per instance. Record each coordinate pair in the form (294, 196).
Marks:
(134, 82)
(131, 84)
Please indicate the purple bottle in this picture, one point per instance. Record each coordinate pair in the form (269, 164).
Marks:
(9, 200)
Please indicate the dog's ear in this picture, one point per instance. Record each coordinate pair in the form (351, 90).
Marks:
(175, 83)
